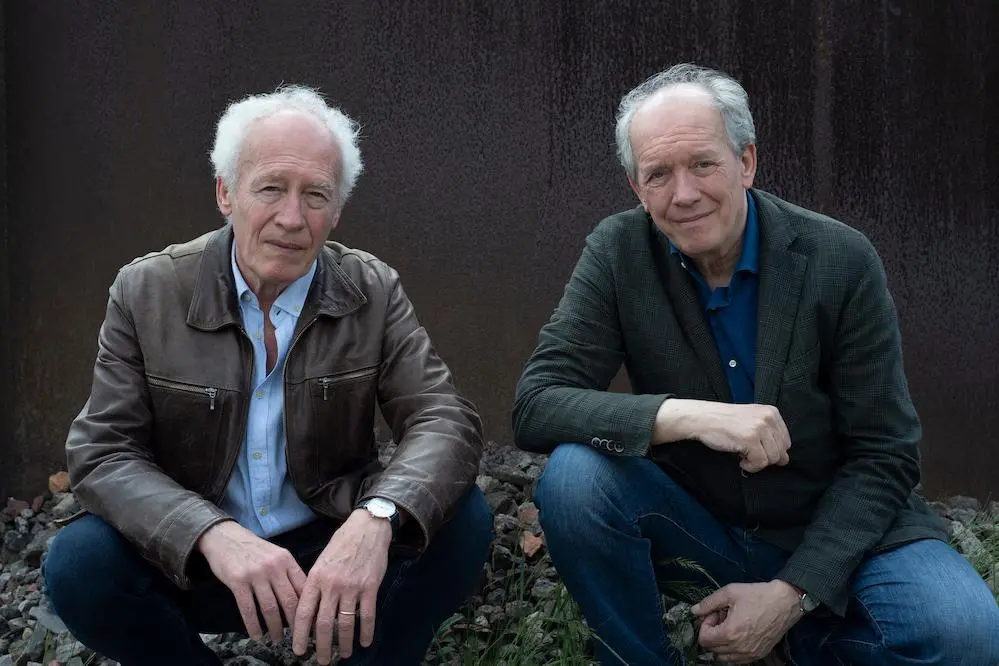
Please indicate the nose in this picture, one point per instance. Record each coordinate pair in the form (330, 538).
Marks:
(686, 192)
(290, 215)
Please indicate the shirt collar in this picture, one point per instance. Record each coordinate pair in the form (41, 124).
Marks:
(749, 260)
(292, 299)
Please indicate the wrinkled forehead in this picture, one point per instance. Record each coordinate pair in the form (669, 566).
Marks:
(680, 107)
(293, 135)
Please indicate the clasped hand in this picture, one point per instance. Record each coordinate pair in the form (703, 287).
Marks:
(742, 622)
(341, 586)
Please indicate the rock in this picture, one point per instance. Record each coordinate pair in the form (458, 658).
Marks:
(49, 620)
(543, 589)
(34, 649)
(15, 541)
(66, 506)
(964, 502)
(39, 544)
(502, 558)
(36, 504)
(487, 484)
(15, 507)
(530, 543)
(965, 516)
(59, 482)
(6, 660)
(508, 474)
(500, 502)
(528, 514)
(518, 609)
(969, 544)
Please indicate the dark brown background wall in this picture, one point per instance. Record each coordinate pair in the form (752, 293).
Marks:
(488, 141)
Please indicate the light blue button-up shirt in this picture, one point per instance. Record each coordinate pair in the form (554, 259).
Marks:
(260, 495)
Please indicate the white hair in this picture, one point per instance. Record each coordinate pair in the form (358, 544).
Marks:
(726, 94)
(237, 118)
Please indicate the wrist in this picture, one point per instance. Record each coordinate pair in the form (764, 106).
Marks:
(676, 420)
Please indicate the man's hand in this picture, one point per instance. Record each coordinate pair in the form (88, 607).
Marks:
(744, 621)
(344, 581)
(756, 432)
(258, 573)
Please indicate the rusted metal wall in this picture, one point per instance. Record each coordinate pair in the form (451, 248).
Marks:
(488, 142)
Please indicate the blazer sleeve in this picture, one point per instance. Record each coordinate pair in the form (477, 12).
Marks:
(562, 394)
(878, 431)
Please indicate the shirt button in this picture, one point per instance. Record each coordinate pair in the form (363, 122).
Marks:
(297, 309)
(263, 511)
(732, 363)
(257, 455)
(257, 336)
(260, 392)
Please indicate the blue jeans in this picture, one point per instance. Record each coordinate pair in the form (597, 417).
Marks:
(120, 606)
(607, 520)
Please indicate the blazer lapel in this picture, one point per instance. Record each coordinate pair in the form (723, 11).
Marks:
(782, 273)
(690, 315)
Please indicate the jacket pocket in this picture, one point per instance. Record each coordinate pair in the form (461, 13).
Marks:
(187, 427)
(343, 405)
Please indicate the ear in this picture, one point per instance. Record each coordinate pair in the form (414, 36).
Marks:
(638, 192)
(222, 197)
(747, 166)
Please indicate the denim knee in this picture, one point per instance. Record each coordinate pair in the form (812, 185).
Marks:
(87, 564)
(578, 482)
(969, 636)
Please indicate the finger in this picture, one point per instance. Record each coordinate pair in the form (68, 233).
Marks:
(268, 608)
(783, 436)
(716, 601)
(304, 615)
(345, 626)
(248, 610)
(325, 620)
(713, 619)
(754, 459)
(367, 613)
(297, 578)
(712, 637)
(287, 597)
(771, 448)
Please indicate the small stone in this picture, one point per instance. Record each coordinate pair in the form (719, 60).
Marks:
(543, 589)
(964, 502)
(528, 514)
(509, 475)
(59, 482)
(6, 660)
(965, 516)
(35, 647)
(518, 609)
(28, 514)
(502, 558)
(36, 504)
(496, 597)
(49, 620)
(500, 502)
(530, 543)
(15, 541)
(486, 484)
(67, 506)
(969, 544)
(39, 544)
(15, 507)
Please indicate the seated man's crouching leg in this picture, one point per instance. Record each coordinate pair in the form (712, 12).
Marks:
(118, 604)
(607, 519)
(144, 618)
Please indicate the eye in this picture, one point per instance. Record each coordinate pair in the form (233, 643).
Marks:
(655, 176)
(704, 167)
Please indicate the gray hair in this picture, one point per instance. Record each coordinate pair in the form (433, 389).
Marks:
(727, 96)
(237, 118)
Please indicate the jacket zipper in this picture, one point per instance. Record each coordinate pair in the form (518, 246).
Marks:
(210, 391)
(231, 464)
(284, 387)
(327, 382)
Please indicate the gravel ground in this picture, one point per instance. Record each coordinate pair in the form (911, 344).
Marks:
(31, 633)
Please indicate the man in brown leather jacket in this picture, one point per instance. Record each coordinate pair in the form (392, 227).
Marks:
(226, 455)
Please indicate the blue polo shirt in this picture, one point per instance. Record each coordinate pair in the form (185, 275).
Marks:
(731, 311)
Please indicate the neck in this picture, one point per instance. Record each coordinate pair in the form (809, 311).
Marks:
(717, 268)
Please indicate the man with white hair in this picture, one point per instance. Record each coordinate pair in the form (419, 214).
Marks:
(226, 455)
(770, 439)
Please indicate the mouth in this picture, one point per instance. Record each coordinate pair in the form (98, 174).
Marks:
(688, 220)
(284, 247)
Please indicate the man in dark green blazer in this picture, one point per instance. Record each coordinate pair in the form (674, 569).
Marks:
(770, 437)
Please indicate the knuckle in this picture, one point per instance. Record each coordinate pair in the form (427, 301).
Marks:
(324, 625)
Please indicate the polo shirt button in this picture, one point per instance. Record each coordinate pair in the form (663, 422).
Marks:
(257, 455)
(259, 393)
(732, 363)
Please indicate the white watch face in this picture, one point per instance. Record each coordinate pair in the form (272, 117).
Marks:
(380, 508)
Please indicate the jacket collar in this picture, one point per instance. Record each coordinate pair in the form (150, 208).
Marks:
(213, 300)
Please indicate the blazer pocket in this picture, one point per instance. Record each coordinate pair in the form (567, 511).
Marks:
(804, 366)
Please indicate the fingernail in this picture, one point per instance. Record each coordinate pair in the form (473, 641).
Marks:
(695, 608)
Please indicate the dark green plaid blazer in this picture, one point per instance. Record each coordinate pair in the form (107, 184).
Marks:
(828, 355)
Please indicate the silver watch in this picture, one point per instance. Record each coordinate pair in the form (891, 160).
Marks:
(807, 603)
(379, 507)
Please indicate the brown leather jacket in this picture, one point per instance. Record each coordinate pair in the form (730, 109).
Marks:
(153, 448)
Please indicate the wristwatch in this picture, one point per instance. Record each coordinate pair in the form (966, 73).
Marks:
(806, 602)
(379, 507)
